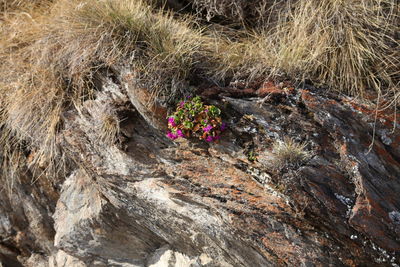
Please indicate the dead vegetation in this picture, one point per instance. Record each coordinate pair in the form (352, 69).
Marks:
(289, 154)
(6, 5)
(11, 160)
(50, 55)
(9, 6)
(249, 12)
(109, 129)
(351, 47)
(51, 50)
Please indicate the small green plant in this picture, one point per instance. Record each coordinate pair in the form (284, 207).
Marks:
(252, 156)
(194, 119)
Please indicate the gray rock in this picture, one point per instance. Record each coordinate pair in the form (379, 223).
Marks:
(146, 201)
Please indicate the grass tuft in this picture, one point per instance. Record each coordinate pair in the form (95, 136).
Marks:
(109, 129)
(347, 46)
(289, 154)
(244, 12)
(49, 57)
(11, 160)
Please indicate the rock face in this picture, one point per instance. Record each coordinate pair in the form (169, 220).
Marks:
(144, 200)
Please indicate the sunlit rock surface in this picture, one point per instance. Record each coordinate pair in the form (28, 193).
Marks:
(147, 201)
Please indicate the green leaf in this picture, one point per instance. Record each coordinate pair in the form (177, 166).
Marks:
(214, 111)
(197, 99)
(188, 124)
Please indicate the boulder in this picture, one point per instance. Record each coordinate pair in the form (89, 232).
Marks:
(145, 200)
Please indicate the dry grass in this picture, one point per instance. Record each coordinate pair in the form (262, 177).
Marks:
(11, 160)
(247, 12)
(109, 129)
(289, 154)
(50, 52)
(246, 59)
(50, 55)
(7, 6)
(162, 50)
(349, 46)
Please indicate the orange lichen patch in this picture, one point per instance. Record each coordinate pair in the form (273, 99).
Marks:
(349, 262)
(223, 180)
(388, 116)
(268, 88)
(281, 245)
(272, 89)
(343, 150)
(308, 99)
(331, 102)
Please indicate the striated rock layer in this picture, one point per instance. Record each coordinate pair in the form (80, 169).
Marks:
(144, 200)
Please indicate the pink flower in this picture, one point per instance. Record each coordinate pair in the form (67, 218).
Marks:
(171, 121)
(182, 104)
(209, 139)
(215, 138)
(171, 136)
(223, 126)
(180, 133)
(207, 128)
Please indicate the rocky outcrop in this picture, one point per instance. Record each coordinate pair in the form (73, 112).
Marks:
(144, 200)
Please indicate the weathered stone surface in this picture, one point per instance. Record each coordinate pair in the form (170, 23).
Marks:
(146, 201)
(62, 259)
(26, 224)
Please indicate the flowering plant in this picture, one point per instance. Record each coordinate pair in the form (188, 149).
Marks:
(193, 118)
